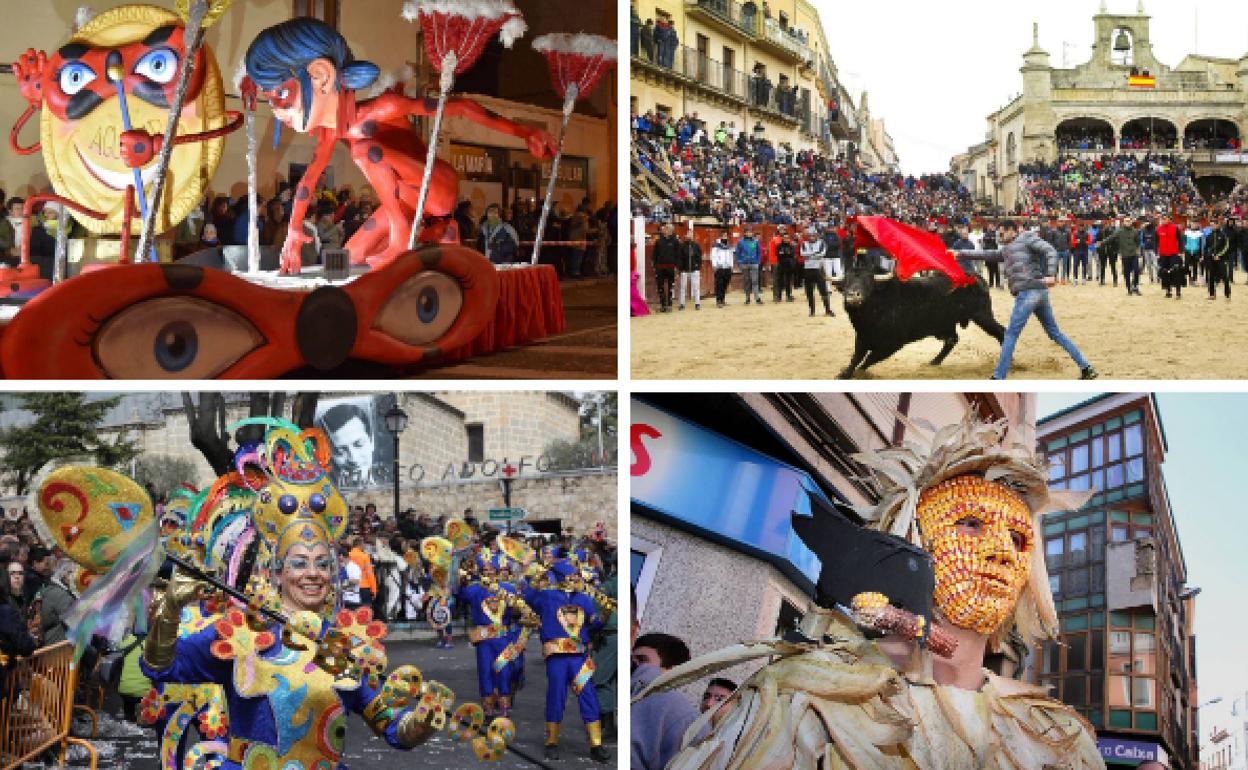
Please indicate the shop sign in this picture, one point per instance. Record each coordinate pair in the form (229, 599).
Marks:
(717, 486)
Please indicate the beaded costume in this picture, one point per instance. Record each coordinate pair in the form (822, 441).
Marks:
(831, 698)
(269, 693)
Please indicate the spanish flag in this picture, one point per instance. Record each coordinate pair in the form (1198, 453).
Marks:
(1141, 81)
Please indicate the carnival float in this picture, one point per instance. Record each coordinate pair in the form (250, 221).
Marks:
(132, 121)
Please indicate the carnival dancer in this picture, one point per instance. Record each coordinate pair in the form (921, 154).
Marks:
(488, 602)
(569, 617)
(832, 697)
(286, 685)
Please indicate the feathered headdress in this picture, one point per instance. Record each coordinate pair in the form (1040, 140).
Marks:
(969, 448)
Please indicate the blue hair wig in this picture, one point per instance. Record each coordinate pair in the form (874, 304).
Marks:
(285, 50)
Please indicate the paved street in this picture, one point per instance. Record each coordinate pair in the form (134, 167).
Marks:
(122, 745)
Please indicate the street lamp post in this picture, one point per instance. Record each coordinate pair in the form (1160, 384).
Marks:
(396, 423)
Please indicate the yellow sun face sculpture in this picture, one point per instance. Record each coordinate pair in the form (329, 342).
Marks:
(82, 120)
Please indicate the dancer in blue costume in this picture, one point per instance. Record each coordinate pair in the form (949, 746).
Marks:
(569, 617)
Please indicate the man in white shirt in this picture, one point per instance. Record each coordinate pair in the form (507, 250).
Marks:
(721, 263)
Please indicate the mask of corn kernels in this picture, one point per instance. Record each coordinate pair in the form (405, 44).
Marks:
(979, 534)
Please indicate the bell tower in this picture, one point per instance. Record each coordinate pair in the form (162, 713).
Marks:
(1123, 42)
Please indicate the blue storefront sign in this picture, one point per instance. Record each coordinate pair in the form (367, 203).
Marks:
(700, 480)
(1131, 753)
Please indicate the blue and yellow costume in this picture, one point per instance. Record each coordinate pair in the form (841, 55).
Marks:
(283, 689)
(494, 628)
(568, 619)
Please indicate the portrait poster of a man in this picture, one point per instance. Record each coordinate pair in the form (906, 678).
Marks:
(362, 451)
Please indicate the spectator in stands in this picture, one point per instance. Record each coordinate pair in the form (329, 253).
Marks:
(634, 28)
(647, 40)
(666, 41)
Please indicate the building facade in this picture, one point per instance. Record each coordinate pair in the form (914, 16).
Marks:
(764, 68)
(1224, 733)
(715, 478)
(1126, 659)
(1121, 100)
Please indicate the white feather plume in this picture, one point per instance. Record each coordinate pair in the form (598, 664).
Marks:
(513, 29)
(580, 43)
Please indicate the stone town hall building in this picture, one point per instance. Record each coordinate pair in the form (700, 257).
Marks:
(1121, 100)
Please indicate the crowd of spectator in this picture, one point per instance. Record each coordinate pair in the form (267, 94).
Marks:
(1098, 187)
(504, 233)
(734, 176)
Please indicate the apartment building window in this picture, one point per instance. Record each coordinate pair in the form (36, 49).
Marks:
(1132, 671)
(1106, 457)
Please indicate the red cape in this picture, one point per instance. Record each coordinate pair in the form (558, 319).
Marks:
(915, 250)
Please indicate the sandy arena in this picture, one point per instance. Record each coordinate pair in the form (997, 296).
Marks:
(1125, 338)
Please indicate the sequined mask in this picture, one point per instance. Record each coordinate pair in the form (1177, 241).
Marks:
(980, 536)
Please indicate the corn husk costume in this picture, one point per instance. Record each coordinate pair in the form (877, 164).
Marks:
(835, 700)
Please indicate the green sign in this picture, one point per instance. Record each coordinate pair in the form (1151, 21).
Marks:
(506, 514)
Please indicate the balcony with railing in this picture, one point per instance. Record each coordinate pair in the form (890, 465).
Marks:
(697, 70)
(781, 103)
(785, 40)
(742, 19)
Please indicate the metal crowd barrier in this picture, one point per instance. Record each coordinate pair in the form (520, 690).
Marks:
(37, 704)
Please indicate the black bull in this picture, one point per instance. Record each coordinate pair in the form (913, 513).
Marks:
(888, 313)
